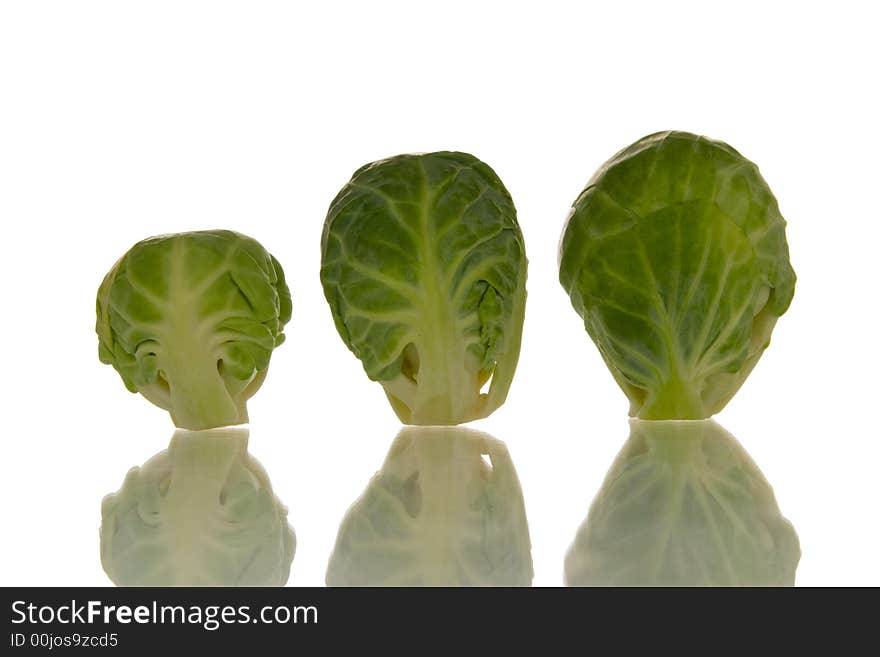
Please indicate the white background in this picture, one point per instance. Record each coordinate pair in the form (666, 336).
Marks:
(121, 120)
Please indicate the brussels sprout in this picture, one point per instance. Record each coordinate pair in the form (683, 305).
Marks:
(201, 513)
(424, 268)
(437, 514)
(675, 257)
(190, 321)
(683, 505)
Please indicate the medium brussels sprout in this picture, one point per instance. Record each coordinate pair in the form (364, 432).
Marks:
(683, 505)
(446, 509)
(424, 268)
(675, 257)
(201, 513)
(190, 321)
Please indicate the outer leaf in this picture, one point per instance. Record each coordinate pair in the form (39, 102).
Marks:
(201, 513)
(190, 320)
(683, 505)
(675, 257)
(424, 268)
(437, 514)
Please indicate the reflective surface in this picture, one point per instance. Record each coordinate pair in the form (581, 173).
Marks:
(683, 505)
(200, 513)
(199, 133)
(446, 509)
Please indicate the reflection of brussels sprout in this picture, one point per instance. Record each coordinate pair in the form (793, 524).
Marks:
(437, 514)
(424, 268)
(675, 257)
(201, 513)
(190, 321)
(683, 505)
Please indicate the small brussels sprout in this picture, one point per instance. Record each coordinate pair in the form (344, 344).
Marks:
(675, 257)
(190, 321)
(201, 513)
(683, 505)
(446, 509)
(424, 268)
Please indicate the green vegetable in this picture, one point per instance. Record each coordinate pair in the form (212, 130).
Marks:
(675, 257)
(201, 513)
(446, 509)
(190, 321)
(424, 268)
(683, 505)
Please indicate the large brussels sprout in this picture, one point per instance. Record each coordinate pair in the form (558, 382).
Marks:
(675, 257)
(201, 513)
(424, 268)
(683, 505)
(190, 321)
(446, 509)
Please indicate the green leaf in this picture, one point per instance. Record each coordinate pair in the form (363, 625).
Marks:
(190, 320)
(424, 268)
(675, 257)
